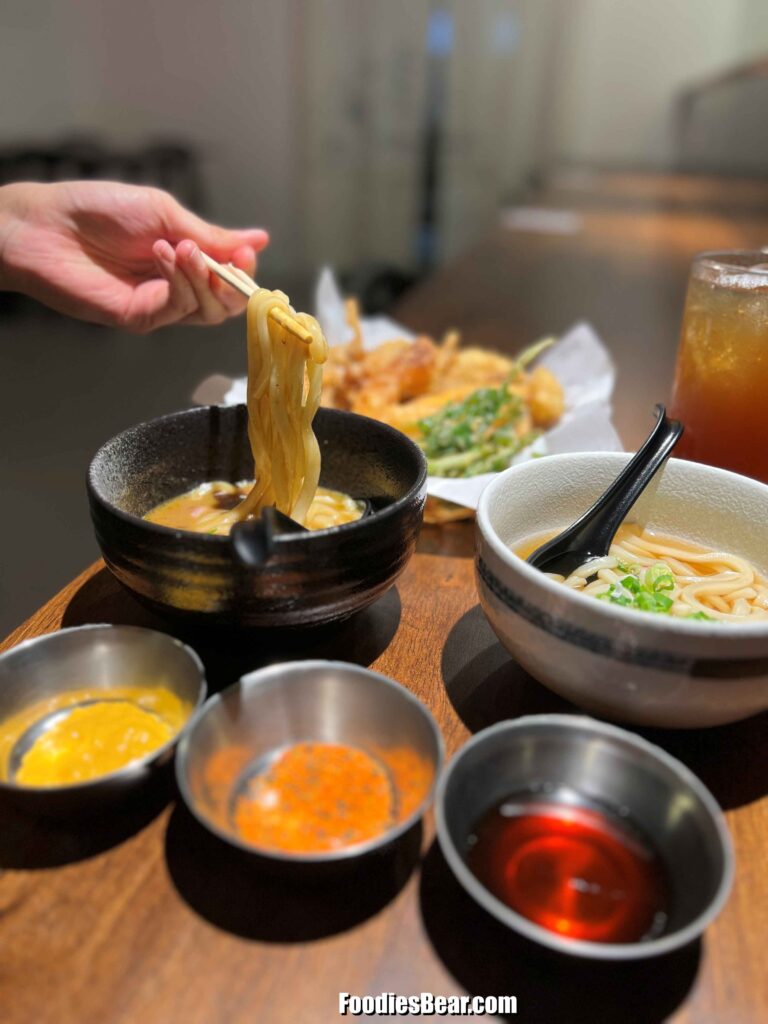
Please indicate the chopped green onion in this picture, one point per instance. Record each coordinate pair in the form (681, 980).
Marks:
(645, 590)
(658, 577)
(480, 434)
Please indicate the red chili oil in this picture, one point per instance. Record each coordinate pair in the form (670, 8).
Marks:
(571, 869)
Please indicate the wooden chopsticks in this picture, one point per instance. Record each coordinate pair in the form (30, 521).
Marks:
(238, 279)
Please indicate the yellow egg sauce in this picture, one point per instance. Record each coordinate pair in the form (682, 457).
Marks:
(124, 724)
(201, 509)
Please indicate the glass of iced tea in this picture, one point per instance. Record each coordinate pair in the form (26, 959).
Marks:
(721, 381)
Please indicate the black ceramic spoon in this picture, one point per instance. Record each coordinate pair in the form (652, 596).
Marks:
(591, 535)
(254, 540)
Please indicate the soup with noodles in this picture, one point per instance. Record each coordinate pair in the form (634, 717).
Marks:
(284, 384)
(201, 510)
(654, 572)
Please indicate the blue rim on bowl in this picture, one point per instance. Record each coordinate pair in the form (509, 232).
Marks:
(634, 666)
(615, 611)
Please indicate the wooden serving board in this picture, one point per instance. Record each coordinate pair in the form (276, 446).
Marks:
(143, 917)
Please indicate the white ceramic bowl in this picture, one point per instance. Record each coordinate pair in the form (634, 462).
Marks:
(626, 665)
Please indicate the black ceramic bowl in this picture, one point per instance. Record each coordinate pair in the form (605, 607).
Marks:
(308, 578)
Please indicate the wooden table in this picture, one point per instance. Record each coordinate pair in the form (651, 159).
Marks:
(144, 917)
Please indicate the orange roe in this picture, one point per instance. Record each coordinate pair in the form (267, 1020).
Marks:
(411, 775)
(316, 797)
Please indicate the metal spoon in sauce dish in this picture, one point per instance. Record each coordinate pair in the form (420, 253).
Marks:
(591, 535)
(32, 734)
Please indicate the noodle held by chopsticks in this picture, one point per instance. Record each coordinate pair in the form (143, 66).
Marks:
(285, 378)
(284, 386)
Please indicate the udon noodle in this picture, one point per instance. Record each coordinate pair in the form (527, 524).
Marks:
(285, 380)
(284, 385)
(659, 573)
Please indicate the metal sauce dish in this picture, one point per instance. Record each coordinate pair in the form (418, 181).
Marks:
(624, 775)
(273, 708)
(98, 657)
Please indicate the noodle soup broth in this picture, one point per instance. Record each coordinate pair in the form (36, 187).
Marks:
(663, 574)
(214, 508)
(633, 664)
(311, 577)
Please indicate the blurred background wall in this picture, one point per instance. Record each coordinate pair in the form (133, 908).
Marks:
(318, 117)
(620, 70)
(381, 136)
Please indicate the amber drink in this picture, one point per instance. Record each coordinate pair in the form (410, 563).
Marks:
(721, 381)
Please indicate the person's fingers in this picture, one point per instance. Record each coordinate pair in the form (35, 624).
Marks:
(218, 242)
(245, 259)
(166, 299)
(211, 310)
(231, 297)
(147, 307)
(182, 300)
(232, 300)
(224, 242)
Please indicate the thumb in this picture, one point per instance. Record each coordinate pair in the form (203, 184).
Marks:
(220, 243)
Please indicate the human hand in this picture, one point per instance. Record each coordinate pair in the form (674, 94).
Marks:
(123, 255)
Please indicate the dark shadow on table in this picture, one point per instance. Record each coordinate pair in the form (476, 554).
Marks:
(239, 893)
(486, 685)
(730, 760)
(229, 653)
(454, 539)
(488, 959)
(102, 599)
(29, 842)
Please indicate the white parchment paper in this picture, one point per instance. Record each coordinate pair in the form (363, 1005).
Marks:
(578, 359)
